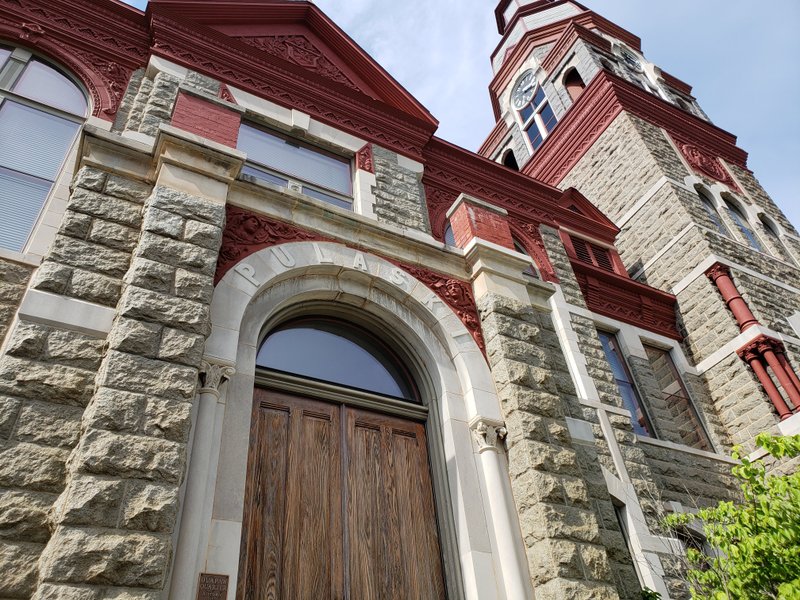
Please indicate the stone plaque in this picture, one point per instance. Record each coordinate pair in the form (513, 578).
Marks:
(212, 587)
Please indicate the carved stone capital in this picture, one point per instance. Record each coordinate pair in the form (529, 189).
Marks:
(212, 376)
(489, 434)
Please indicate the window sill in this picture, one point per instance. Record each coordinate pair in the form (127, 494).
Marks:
(685, 449)
(30, 260)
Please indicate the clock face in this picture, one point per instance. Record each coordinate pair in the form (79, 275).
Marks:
(523, 90)
(631, 60)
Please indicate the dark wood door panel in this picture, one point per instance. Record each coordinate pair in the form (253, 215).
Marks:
(338, 504)
(292, 538)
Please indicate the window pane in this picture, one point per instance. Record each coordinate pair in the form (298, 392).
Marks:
(305, 164)
(539, 97)
(326, 197)
(449, 236)
(535, 136)
(682, 409)
(33, 142)
(714, 216)
(264, 175)
(526, 113)
(630, 398)
(21, 201)
(548, 118)
(337, 352)
(744, 227)
(48, 86)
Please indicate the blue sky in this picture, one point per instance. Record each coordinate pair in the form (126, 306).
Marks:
(739, 55)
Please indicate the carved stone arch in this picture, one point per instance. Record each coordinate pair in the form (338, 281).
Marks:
(274, 281)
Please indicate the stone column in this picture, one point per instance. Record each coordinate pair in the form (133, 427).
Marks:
(490, 437)
(116, 533)
(199, 492)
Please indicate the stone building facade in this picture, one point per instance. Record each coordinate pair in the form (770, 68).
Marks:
(558, 339)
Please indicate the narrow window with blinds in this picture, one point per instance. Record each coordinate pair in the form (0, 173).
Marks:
(41, 110)
(592, 254)
(286, 162)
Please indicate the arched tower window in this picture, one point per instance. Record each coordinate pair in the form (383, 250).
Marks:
(711, 211)
(41, 110)
(573, 82)
(334, 351)
(535, 113)
(737, 216)
(510, 161)
(769, 226)
(449, 236)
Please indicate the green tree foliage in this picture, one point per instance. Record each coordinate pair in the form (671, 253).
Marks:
(757, 541)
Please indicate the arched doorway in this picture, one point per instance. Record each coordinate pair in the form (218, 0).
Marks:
(338, 499)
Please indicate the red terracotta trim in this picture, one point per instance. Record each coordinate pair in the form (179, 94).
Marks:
(626, 300)
(450, 170)
(234, 62)
(601, 102)
(765, 349)
(364, 159)
(494, 138)
(676, 83)
(705, 163)
(530, 237)
(720, 276)
(101, 42)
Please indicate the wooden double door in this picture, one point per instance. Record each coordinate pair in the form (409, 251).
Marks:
(338, 505)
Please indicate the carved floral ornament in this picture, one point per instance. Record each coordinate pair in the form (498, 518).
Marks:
(365, 160)
(489, 435)
(213, 375)
(246, 233)
(706, 164)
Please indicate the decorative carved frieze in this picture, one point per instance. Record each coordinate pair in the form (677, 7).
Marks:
(299, 50)
(364, 159)
(705, 163)
(490, 435)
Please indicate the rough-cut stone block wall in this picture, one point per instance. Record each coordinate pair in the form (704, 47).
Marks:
(585, 62)
(48, 374)
(46, 380)
(112, 525)
(399, 195)
(623, 164)
(13, 282)
(92, 250)
(559, 490)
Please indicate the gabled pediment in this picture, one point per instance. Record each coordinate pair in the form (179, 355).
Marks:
(576, 202)
(299, 33)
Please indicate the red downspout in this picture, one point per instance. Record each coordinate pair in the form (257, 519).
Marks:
(720, 275)
(761, 349)
(750, 354)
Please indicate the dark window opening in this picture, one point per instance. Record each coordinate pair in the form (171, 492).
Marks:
(510, 161)
(574, 84)
(712, 213)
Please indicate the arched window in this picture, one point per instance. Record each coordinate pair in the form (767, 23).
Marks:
(449, 236)
(573, 82)
(770, 226)
(712, 213)
(41, 110)
(510, 161)
(737, 216)
(538, 118)
(519, 247)
(334, 351)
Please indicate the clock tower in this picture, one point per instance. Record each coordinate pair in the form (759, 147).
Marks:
(579, 105)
